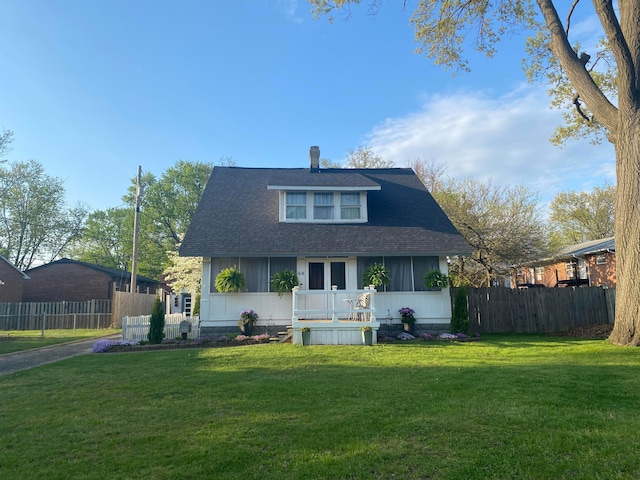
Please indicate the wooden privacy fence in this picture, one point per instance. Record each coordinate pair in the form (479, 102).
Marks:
(137, 328)
(538, 310)
(55, 315)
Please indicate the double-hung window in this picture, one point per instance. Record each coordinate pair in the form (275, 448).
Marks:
(323, 206)
(349, 206)
(296, 205)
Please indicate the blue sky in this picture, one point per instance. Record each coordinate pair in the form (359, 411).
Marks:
(92, 89)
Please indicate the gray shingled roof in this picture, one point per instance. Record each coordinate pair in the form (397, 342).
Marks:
(238, 216)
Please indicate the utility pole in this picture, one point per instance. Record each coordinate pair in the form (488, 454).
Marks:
(136, 229)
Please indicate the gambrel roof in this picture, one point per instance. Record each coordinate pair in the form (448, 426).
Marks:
(238, 216)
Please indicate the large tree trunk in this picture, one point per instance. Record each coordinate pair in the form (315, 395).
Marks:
(626, 330)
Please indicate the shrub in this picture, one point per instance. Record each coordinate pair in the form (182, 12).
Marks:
(196, 305)
(460, 314)
(156, 327)
(230, 280)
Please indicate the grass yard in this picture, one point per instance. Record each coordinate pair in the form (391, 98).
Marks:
(526, 407)
(17, 340)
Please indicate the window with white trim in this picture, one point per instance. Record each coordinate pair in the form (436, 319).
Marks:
(323, 205)
(601, 259)
(296, 205)
(349, 206)
(539, 273)
(570, 267)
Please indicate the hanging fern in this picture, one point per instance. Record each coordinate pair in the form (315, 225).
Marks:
(284, 281)
(377, 275)
(230, 280)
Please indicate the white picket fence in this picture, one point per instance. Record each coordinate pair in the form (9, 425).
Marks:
(137, 328)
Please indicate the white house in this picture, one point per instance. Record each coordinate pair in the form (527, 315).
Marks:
(328, 226)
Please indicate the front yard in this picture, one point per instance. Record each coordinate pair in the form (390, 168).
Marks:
(506, 407)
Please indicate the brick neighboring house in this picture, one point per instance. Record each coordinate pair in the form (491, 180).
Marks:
(74, 281)
(589, 263)
(11, 282)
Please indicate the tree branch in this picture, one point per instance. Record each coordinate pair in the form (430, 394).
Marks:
(588, 90)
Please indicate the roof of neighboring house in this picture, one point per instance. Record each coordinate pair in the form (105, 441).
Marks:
(238, 215)
(114, 273)
(24, 275)
(581, 249)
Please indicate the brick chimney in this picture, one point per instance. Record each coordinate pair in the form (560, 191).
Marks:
(314, 157)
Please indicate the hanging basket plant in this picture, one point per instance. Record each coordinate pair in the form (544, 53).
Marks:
(284, 281)
(376, 275)
(435, 279)
(230, 280)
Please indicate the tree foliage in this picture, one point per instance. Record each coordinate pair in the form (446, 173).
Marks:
(107, 239)
(5, 139)
(35, 223)
(364, 157)
(183, 273)
(578, 217)
(603, 101)
(503, 225)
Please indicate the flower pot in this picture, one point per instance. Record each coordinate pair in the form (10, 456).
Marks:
(408, 327)
(306, 337)
(367, 337)
(247, 329)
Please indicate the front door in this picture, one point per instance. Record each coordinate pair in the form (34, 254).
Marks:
(322, 274)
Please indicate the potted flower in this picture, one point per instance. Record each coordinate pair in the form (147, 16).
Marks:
(247, 319)
(367, 335)
(435, 280)
(377, 275)
(408, 320)
(230, 280)
(306, 335)
(284, 281)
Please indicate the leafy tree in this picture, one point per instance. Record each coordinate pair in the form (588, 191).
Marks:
(156, 326)
(582, 216)
(5, 139)
(167, 206)
(502, 224)
(107, 239)
(35, 223)
(183, 273)
(364, 157)
(600, 101)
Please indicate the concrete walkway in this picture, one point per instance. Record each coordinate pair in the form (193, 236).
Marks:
(17, 361)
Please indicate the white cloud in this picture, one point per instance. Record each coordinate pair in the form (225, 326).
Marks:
(504, 138)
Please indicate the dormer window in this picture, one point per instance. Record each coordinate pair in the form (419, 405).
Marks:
(324, 206)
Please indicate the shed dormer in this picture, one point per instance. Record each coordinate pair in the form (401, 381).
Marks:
(336, 195)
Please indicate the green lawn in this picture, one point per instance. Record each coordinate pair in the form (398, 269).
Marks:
(527, 407)
(17, 340)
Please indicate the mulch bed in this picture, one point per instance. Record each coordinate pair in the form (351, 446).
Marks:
(597, 331)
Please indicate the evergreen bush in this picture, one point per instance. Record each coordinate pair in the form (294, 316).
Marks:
(460, 314)
(156, 328)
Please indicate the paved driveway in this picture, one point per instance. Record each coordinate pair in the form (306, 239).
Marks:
(15, 362)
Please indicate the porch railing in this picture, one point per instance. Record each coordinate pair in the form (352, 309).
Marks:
(339, 305)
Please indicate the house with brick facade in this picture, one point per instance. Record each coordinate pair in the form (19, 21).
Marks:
(75, 281)
(327, 226)
(11, 282)
(589, 263)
